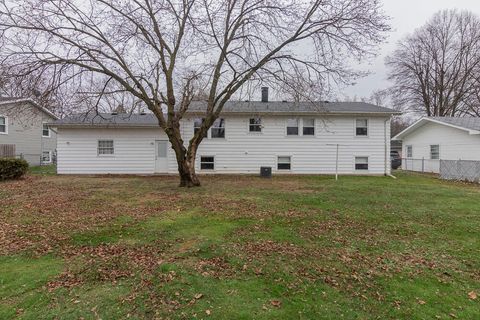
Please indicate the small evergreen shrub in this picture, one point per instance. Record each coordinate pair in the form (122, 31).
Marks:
(11, 168)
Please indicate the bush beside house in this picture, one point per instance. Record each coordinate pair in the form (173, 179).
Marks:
(12, 168)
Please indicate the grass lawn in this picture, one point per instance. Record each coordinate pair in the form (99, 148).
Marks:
(239, 247)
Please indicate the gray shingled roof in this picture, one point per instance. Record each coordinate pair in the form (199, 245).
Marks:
(232, 107)
(465, 122)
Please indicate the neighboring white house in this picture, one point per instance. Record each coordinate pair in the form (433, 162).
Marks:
(299, 138)
(23, 128)
(432, 139)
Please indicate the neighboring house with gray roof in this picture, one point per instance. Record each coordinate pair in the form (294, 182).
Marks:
(299, 138)
(432, 139)
(24, 130)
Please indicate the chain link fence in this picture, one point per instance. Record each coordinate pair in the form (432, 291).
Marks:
(463, 170)
(421, 165)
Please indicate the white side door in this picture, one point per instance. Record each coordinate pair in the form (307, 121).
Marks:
(161, 159)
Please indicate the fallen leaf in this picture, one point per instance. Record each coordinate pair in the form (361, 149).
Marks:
(198, 296)
(208, 312)
(472, 295)
(276, 303)
(421, 302)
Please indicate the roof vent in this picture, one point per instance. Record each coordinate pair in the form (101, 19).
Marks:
(326, 101)
(114, 113)
(284, 101)
(142, 113)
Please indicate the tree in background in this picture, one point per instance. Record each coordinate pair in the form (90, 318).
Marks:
(434, 69)
(164, 52)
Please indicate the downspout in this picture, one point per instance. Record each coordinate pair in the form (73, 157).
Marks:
(387, 136)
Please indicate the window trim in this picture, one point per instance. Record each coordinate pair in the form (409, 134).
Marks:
(438, 147)
(298, 127)
(355, 164)
(49, 131)
(49, 156)
(249, 125)
(105, 155)
(409, 148)
(224, 129)
(214, 162)
(194, 127)
(6, 124)
(284, 156)
(355, 128)
(314, 127)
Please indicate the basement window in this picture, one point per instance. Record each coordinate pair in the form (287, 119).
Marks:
(361, 163)
(218, 128)
(207, 163)
(46, 156)
(435, 152)
(361, 127)
(105, 147)
(284, 163)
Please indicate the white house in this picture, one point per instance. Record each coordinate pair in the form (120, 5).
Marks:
(432, 139)
(299, 138)
(24, 130)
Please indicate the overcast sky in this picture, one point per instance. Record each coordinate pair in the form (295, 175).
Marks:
(407, 15)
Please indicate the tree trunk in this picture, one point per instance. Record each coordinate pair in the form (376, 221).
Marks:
(185, 159)
(188, 177)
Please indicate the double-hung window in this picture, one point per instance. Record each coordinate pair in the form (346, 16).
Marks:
(207, 163)
(284, 163)
(3, 125)
(409, 152)
(218, 128)
(435, 152)
(292, 127)
(308, 127)
(45, 131)
(46, 156)
(361, 127)
(361, 163)
(255, 124)
(197, 123)
(105, 147)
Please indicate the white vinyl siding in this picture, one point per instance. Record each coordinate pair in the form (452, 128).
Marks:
(238, 152)
(453, 144)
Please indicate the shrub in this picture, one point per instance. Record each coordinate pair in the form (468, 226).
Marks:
(12, 168)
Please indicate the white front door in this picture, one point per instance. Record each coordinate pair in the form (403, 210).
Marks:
(161, 160)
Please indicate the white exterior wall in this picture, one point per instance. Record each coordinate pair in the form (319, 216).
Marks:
(454, 144)
(239, 152)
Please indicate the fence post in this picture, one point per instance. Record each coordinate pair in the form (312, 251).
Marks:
(423, 164)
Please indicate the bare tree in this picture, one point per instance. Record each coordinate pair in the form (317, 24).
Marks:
(164, 52)
(432, 69)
